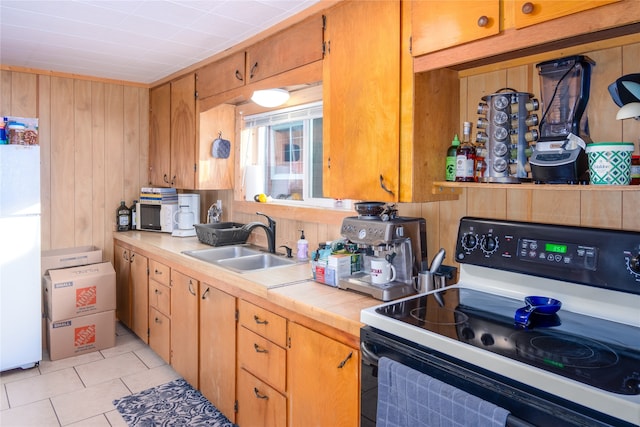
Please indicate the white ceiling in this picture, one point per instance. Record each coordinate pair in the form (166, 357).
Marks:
(132, 40)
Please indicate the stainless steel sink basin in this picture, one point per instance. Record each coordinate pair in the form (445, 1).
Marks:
(240, 258)
(255, 262)
(223, 252)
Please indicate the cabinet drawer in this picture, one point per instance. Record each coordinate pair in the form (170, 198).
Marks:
(160, 334)
(159, 272)
(263, 322)
(160, 297)
(262, 358)
(259, 404)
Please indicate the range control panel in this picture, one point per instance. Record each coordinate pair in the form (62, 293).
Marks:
(590, 256)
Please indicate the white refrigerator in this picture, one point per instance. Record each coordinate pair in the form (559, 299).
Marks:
(20, 281)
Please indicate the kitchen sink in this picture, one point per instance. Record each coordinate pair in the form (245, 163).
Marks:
(223, 252)
(255, 262)
(240, 258)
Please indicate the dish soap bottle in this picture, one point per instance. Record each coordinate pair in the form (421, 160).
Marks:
(450, 166)
(466, 157)
(123, 214)
(303, 247)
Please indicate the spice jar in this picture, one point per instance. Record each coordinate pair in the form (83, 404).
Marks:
(635, 170)
(16, 133)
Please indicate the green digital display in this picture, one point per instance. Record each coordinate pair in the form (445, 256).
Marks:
(556, 248)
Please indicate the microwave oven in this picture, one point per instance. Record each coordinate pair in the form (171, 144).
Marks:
(155, 217)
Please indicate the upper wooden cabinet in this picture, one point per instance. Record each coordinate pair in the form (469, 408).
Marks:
(361, 95)
(160, 134)
(536, 11)
(441, 24)
(293, 47)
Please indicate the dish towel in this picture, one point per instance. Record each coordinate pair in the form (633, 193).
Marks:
(408, 398)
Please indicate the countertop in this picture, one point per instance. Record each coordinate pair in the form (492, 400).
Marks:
(290, 287)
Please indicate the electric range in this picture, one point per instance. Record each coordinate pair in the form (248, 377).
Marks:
(585, 358)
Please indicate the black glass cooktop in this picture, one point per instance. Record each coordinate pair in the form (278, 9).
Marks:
(597, 352)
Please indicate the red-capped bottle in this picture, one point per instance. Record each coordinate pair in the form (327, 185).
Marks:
(466, 157)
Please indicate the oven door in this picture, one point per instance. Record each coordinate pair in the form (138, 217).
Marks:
(527, 406)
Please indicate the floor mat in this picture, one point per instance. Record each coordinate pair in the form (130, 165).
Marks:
(173, 404)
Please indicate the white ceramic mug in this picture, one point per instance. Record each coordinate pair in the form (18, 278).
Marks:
(382, 271)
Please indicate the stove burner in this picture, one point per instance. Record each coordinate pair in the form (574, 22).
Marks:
(565, 352)
(445, 316)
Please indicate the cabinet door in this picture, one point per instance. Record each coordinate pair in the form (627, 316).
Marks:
(293, 47)
(259, 404)
(184, 326)
(218, 348)
(221, 76)
(183, 132)
(140, 289)
(361, 94)
(530, 12)
(160, 334)
(121, 259)
(440, 24)
(317, 363)
(160, 135)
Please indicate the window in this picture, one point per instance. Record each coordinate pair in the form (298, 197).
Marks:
(281, 155)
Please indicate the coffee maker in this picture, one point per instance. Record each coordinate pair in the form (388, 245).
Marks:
(559, 156)
(401, 241)
(187, 214)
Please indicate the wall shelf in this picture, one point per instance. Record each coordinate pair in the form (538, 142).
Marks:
(448, 187)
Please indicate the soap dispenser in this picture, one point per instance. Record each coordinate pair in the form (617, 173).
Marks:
(303, 247)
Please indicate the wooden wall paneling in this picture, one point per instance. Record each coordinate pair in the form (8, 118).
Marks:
(487, 202)
(83, 170)
(44, 138)
(5, 92)
(630, 209)
(601, 209)
(62, 161)
(630, 127)
(519, 204)
(556, 207)
(601, 109)
(114, 158)
(450, 213)
(24, 95)
(520, 78)
(102, 213)
(477, 87)
(431, 213)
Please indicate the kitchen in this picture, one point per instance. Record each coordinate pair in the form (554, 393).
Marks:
(66, 105)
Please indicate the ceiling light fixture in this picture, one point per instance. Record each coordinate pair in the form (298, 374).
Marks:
(270, 97)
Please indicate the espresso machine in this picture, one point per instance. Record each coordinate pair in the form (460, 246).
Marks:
(559, 156)
(401, 241)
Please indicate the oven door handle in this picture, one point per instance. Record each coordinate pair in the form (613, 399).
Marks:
(368, 355)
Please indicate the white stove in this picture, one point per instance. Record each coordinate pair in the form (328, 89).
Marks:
(585, 358)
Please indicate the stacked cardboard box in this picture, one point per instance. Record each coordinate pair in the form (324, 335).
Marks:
(79, 301)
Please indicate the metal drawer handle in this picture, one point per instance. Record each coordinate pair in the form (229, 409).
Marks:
(204, 294)
(259, 395)
(191, 288)
(344, 362)
(158, 291)
(239, 76)
(158, 272)
(158, 320)
(259, 349)
(260, 322)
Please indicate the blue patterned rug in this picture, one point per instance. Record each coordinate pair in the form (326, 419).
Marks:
(173, 404)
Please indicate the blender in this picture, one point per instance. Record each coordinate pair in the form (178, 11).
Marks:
(559, 156)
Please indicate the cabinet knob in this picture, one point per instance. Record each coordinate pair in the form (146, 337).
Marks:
(483, 21)
(527, 8)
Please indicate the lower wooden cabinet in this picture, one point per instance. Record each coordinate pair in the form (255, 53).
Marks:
(160, 334)
(258, 403)
(184, 326)
(217, 326)
(322, 380)
(132, 290)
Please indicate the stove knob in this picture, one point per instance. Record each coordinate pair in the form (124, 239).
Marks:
(634, 264)
(632, 385)
(487, 339)
(489, 244)
(469, 241)
(467, 334)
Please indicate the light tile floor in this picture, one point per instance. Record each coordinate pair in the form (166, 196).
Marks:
(79, 391)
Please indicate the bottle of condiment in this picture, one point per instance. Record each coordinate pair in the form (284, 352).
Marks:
(123, 215)
(450, 167)
(635, 170)
(466, 157)
(133, 215)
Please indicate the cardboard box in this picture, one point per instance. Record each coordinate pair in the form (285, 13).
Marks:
(79, 291)
(69, 257)
(341, 263)
(80, 335)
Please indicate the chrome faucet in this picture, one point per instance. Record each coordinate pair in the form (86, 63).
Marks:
(270, 230)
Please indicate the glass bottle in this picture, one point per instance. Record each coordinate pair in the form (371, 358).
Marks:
(133, 215)
(123, 214)
(450, 167)
(466, 157)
